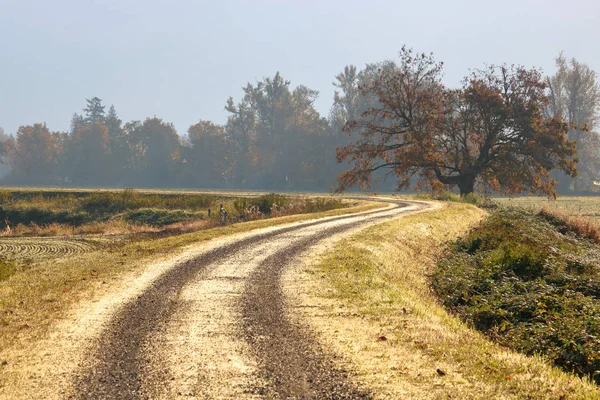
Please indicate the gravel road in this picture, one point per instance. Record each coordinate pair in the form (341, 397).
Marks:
(216, 326)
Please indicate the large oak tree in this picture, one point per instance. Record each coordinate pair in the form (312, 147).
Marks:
(493, 130)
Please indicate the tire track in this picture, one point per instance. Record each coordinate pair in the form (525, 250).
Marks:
(124, 364)
(36, 247)
(291, 359)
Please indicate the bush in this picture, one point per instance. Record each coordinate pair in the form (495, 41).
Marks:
(15, 216)
(155, 217)
(266, 202)
(322, 204)
(5, 196)
(529, 285)
(446, 195)
(241, 206)
(102, 203)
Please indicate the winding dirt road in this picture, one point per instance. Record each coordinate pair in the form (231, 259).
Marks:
(216, 326)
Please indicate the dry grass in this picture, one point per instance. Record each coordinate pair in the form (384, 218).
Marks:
(113, 227)
(579, 225)
(580, 206)
(31, 300)
(369, 299)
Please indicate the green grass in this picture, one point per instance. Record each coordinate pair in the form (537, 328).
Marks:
(100, 203)
(154, 217)
(530, 283)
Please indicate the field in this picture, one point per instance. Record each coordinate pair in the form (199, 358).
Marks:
(584, 206)
(38, 225)
(69, 238)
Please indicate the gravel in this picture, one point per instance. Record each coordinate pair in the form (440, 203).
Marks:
(217, 326)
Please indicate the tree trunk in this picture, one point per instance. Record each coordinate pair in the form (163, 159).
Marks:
(466, 185)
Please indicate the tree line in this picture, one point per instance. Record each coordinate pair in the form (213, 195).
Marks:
(273, 139)
(389, 117)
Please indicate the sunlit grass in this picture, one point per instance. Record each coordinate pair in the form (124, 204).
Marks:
(61, 212)
(376, 308)
(580, 206)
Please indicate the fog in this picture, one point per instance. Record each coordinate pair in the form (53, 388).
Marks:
(136, 93)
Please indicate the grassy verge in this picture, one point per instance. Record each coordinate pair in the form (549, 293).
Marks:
(32, 299)
(532, 283)
(370, 299)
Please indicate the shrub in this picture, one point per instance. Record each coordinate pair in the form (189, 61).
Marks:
(266, 202)
(322, 204)
(155, 217)
(241, 206)
(15, 216)
(5, 196)
(446, 195)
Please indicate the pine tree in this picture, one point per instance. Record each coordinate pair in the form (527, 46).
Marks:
(113, 123)
(94, 112)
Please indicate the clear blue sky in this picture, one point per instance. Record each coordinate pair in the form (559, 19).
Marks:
(180, 60)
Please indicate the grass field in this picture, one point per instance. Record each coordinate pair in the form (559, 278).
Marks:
(36, 225)
(370, 298)
(584, 206)
(62, 213)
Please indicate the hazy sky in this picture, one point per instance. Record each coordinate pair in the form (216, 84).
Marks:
(180, 60)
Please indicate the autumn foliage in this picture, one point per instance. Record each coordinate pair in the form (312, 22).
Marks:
(491, 132)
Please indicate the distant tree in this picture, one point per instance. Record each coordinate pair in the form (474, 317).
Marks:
(240, 130)
(350, 101)
(87, 155)
(94, 111)
(113, 123)
(6, 143)
(208, 155)
(34, 154)
(155, 151)
(4, 140)
(279, 133)
(77, 122)
(347, 96)
(575, 96)
(120, 151)
(491, 131)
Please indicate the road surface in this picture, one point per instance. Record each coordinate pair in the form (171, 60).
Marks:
(216, 326)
